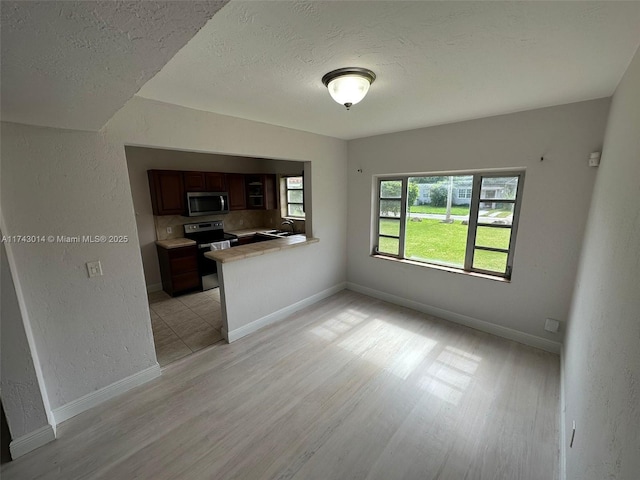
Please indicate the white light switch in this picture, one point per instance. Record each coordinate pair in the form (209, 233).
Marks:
(94, 269)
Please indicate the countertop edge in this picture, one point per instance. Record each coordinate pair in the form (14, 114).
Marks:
(248, 232)
(175, 243)
(256, 249)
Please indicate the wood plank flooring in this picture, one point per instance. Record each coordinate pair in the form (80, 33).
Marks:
(349, 388)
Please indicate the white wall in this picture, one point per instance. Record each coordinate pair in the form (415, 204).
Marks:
(91, 333)
(556, 199)
(88, 333)
(602, 350)
(21, 395)
(139, 160)
(282, 283)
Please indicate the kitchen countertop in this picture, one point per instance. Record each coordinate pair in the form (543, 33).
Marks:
(260, 248)
(175, 243)
(247, 232)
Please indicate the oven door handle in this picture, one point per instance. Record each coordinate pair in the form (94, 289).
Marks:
(203, 246)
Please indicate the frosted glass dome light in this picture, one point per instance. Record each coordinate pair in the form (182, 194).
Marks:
(348, 86)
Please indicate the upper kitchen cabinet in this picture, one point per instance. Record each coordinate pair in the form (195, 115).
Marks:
(237, 191)
(194, 182)
(261, 191)
(204, 182)
(215, 182)
(167, 192)
(270, 192)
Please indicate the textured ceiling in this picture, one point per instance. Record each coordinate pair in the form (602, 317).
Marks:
(73, 64)
(436, 62)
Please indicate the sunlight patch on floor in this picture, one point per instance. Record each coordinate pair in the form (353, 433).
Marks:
(338, 325)
(397, 350)
(450, 374)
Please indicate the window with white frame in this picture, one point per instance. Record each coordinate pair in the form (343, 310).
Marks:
(464, 193)
(475, 237)
(294, 196)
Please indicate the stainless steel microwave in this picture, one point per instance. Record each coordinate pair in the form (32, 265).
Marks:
(207, 203)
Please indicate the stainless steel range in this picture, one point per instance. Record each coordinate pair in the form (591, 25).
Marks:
(209, 236)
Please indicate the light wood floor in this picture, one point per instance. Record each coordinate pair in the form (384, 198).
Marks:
(350, 388)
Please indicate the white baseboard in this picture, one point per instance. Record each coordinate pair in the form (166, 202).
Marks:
(156, 287)
(276, 316)
(93, 399)
(29, 442)
(498, 330)
(562, 420)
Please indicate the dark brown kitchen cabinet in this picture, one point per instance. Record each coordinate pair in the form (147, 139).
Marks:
(179, 269)
(246, 240)
(194, 182)
(215, 182)
(270, 192)
(261, 191)
(237, 191)
(204, 182)
(167, 192)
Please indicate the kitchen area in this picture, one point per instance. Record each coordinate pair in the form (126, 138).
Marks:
(222, 212)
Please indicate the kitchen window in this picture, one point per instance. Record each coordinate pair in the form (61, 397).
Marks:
(294, 196)
(425, 219)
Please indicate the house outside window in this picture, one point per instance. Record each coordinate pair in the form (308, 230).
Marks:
(294, 196)
(444, 227)
(464, 193)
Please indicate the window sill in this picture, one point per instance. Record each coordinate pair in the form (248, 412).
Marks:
(443, 268)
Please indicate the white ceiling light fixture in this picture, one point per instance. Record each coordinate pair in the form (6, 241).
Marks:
(348, 86)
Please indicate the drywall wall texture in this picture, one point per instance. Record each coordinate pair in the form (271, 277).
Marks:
(284, 283)
(556, 199)
(78, 62)
(90, 333)
(21, 396)
(139, 160)
(602, 350)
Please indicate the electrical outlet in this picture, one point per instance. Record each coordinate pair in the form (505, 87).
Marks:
(94, 269)
(169, 230)
(551, 325)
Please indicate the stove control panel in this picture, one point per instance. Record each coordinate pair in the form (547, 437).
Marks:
(191, 228)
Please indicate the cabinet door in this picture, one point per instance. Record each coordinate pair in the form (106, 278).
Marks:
(194, 182)
(179, 269)
(246, 240)
(270, 192)
(255, 191)
(237, 192)
(215, 182)
(167, 192)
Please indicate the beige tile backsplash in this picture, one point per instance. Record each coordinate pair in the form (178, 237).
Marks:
(238, 220)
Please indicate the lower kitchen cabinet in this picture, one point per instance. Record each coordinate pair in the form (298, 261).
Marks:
(245, 240)
(179, 269)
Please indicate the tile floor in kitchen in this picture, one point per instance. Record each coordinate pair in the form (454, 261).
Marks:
(185, 324)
